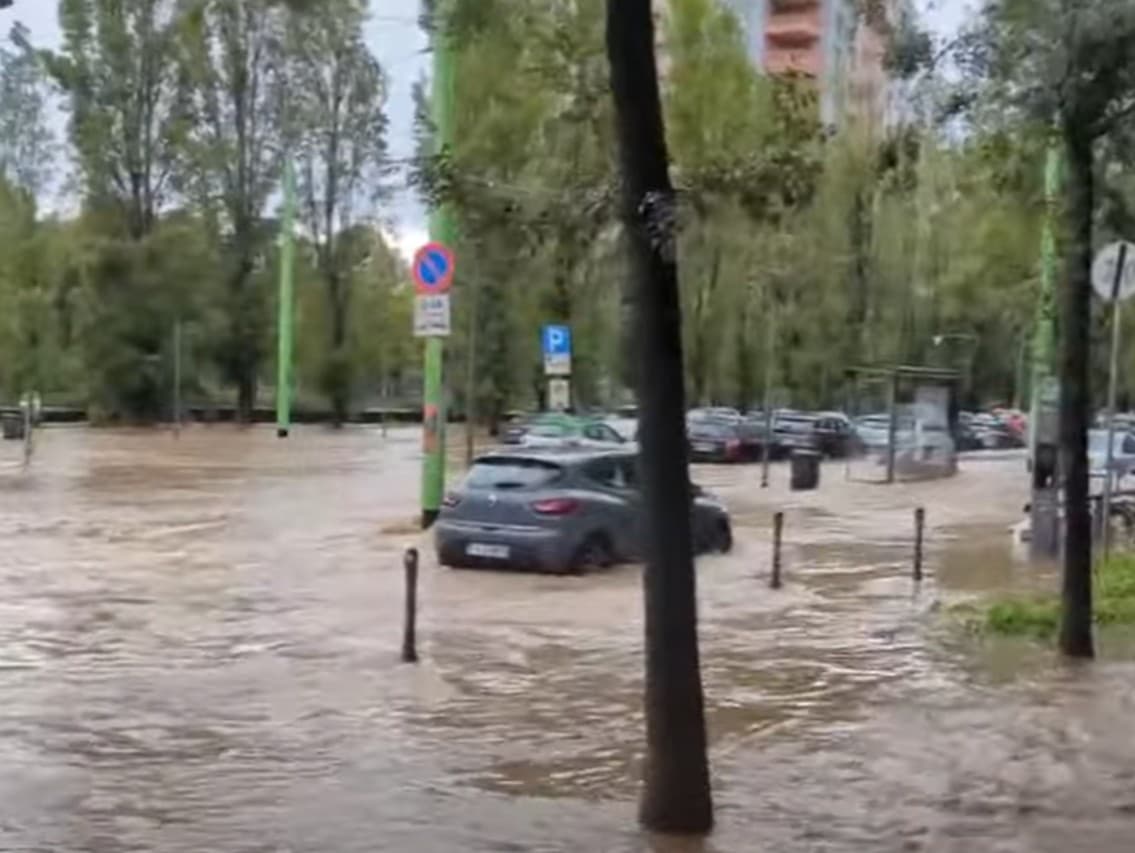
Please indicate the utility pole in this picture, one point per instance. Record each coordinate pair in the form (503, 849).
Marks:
(1044, 429)
(443, 229)
(287, 298)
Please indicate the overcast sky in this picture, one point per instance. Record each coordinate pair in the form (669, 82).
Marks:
(393, 35)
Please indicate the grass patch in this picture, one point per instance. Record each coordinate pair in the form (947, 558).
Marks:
(1038, 616)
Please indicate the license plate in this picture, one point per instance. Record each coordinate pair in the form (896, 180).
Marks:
(488, 552)
(703, 447)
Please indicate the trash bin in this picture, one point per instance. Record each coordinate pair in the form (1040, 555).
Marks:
(13, 426)
(805, 469)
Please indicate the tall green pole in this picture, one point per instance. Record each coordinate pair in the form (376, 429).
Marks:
(1044, 335)
(287, 286)
(443, 229)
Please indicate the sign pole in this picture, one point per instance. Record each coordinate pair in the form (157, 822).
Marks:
(1044, 391)
(287, 286)
(444, 230)
(1113, 371)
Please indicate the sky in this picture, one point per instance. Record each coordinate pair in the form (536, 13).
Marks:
(394, 37)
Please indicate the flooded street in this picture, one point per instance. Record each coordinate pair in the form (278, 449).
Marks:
(198, 652)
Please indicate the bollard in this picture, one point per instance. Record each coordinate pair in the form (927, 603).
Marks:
(777, 534)
(919, 526)
(409, 633)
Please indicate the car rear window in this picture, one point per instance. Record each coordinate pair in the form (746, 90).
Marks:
(512, 474)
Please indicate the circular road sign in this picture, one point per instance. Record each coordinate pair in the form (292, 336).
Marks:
(1106, 266)
(433, 269)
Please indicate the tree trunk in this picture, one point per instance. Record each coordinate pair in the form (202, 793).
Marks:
(676, 791)
(1075, 400)
(245, 394)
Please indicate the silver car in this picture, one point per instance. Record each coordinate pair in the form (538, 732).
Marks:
(557, 510)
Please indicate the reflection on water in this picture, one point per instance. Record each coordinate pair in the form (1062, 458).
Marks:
(198, 652)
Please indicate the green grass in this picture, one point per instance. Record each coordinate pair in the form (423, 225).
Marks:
(1038, 616)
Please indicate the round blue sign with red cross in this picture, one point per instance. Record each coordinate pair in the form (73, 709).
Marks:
(433, 269)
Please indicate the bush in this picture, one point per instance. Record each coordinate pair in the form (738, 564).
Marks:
(1039, 616)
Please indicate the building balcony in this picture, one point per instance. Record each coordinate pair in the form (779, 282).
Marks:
(799, 28)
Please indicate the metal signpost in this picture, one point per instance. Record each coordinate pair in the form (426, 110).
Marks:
(433, 270)
(1113, 278)
(556, 344)
(287, 300)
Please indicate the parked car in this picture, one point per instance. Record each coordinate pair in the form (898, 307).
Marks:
(558, 510)
(1123, 453)
(554, 430)
(723, 435)
(716, 440)
(517, 427)
(792, 429)
(833, 434)
(994, 433)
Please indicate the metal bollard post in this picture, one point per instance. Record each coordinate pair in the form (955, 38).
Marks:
(777, 535)
(919, 527)
(409, 633)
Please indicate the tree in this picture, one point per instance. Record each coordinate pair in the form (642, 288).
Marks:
(232, 58)
(27, 142)
(117, 69)
(676, 795)
(340, 94)
(1066, 63)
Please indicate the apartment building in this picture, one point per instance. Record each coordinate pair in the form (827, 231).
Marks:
(826, 40)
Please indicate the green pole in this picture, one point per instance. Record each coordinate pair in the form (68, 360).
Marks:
(287, 286)
(1044, 331)
(443, 229)
(1044, 335)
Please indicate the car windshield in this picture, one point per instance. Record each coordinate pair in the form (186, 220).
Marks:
(508, 473)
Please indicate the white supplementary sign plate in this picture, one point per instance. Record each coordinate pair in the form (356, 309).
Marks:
(432, 316)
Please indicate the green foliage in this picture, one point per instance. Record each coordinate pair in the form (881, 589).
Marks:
(1038, 616)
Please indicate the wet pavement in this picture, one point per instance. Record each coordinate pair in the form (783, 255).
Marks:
(198, 652)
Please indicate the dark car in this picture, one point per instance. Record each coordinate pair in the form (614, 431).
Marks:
(557, 510)
(792, 430)
(716, 440)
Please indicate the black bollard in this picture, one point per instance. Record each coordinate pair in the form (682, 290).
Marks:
(409, 633)
(777, 534)
(919, 526)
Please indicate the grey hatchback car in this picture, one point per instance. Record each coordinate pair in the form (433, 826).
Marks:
(557, 510)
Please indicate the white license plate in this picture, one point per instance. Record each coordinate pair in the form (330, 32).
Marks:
(703, 447)
(488, 552)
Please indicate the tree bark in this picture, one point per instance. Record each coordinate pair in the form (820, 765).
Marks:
(676, 792)
(1075, 399)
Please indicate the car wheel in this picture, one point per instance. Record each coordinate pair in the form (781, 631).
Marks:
(723, 538)
(594, 553)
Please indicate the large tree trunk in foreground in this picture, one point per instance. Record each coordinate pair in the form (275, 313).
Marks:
(1075, 400)
(676, 793)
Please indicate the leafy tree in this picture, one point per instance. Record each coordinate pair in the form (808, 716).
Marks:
(118, 71)
(27, 142)
(340, 94)
(1066, 63)
(232, 69)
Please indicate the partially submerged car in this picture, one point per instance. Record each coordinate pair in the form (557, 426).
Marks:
(559, 510)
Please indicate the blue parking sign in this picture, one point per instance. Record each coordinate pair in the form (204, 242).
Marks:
(557, 340)
(556, 343)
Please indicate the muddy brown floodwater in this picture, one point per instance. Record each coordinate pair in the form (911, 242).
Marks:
(198, 646)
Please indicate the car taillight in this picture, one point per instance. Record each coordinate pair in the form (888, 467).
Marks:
(555, 506)
(450, 500)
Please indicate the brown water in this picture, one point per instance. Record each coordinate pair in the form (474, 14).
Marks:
(198, 653)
